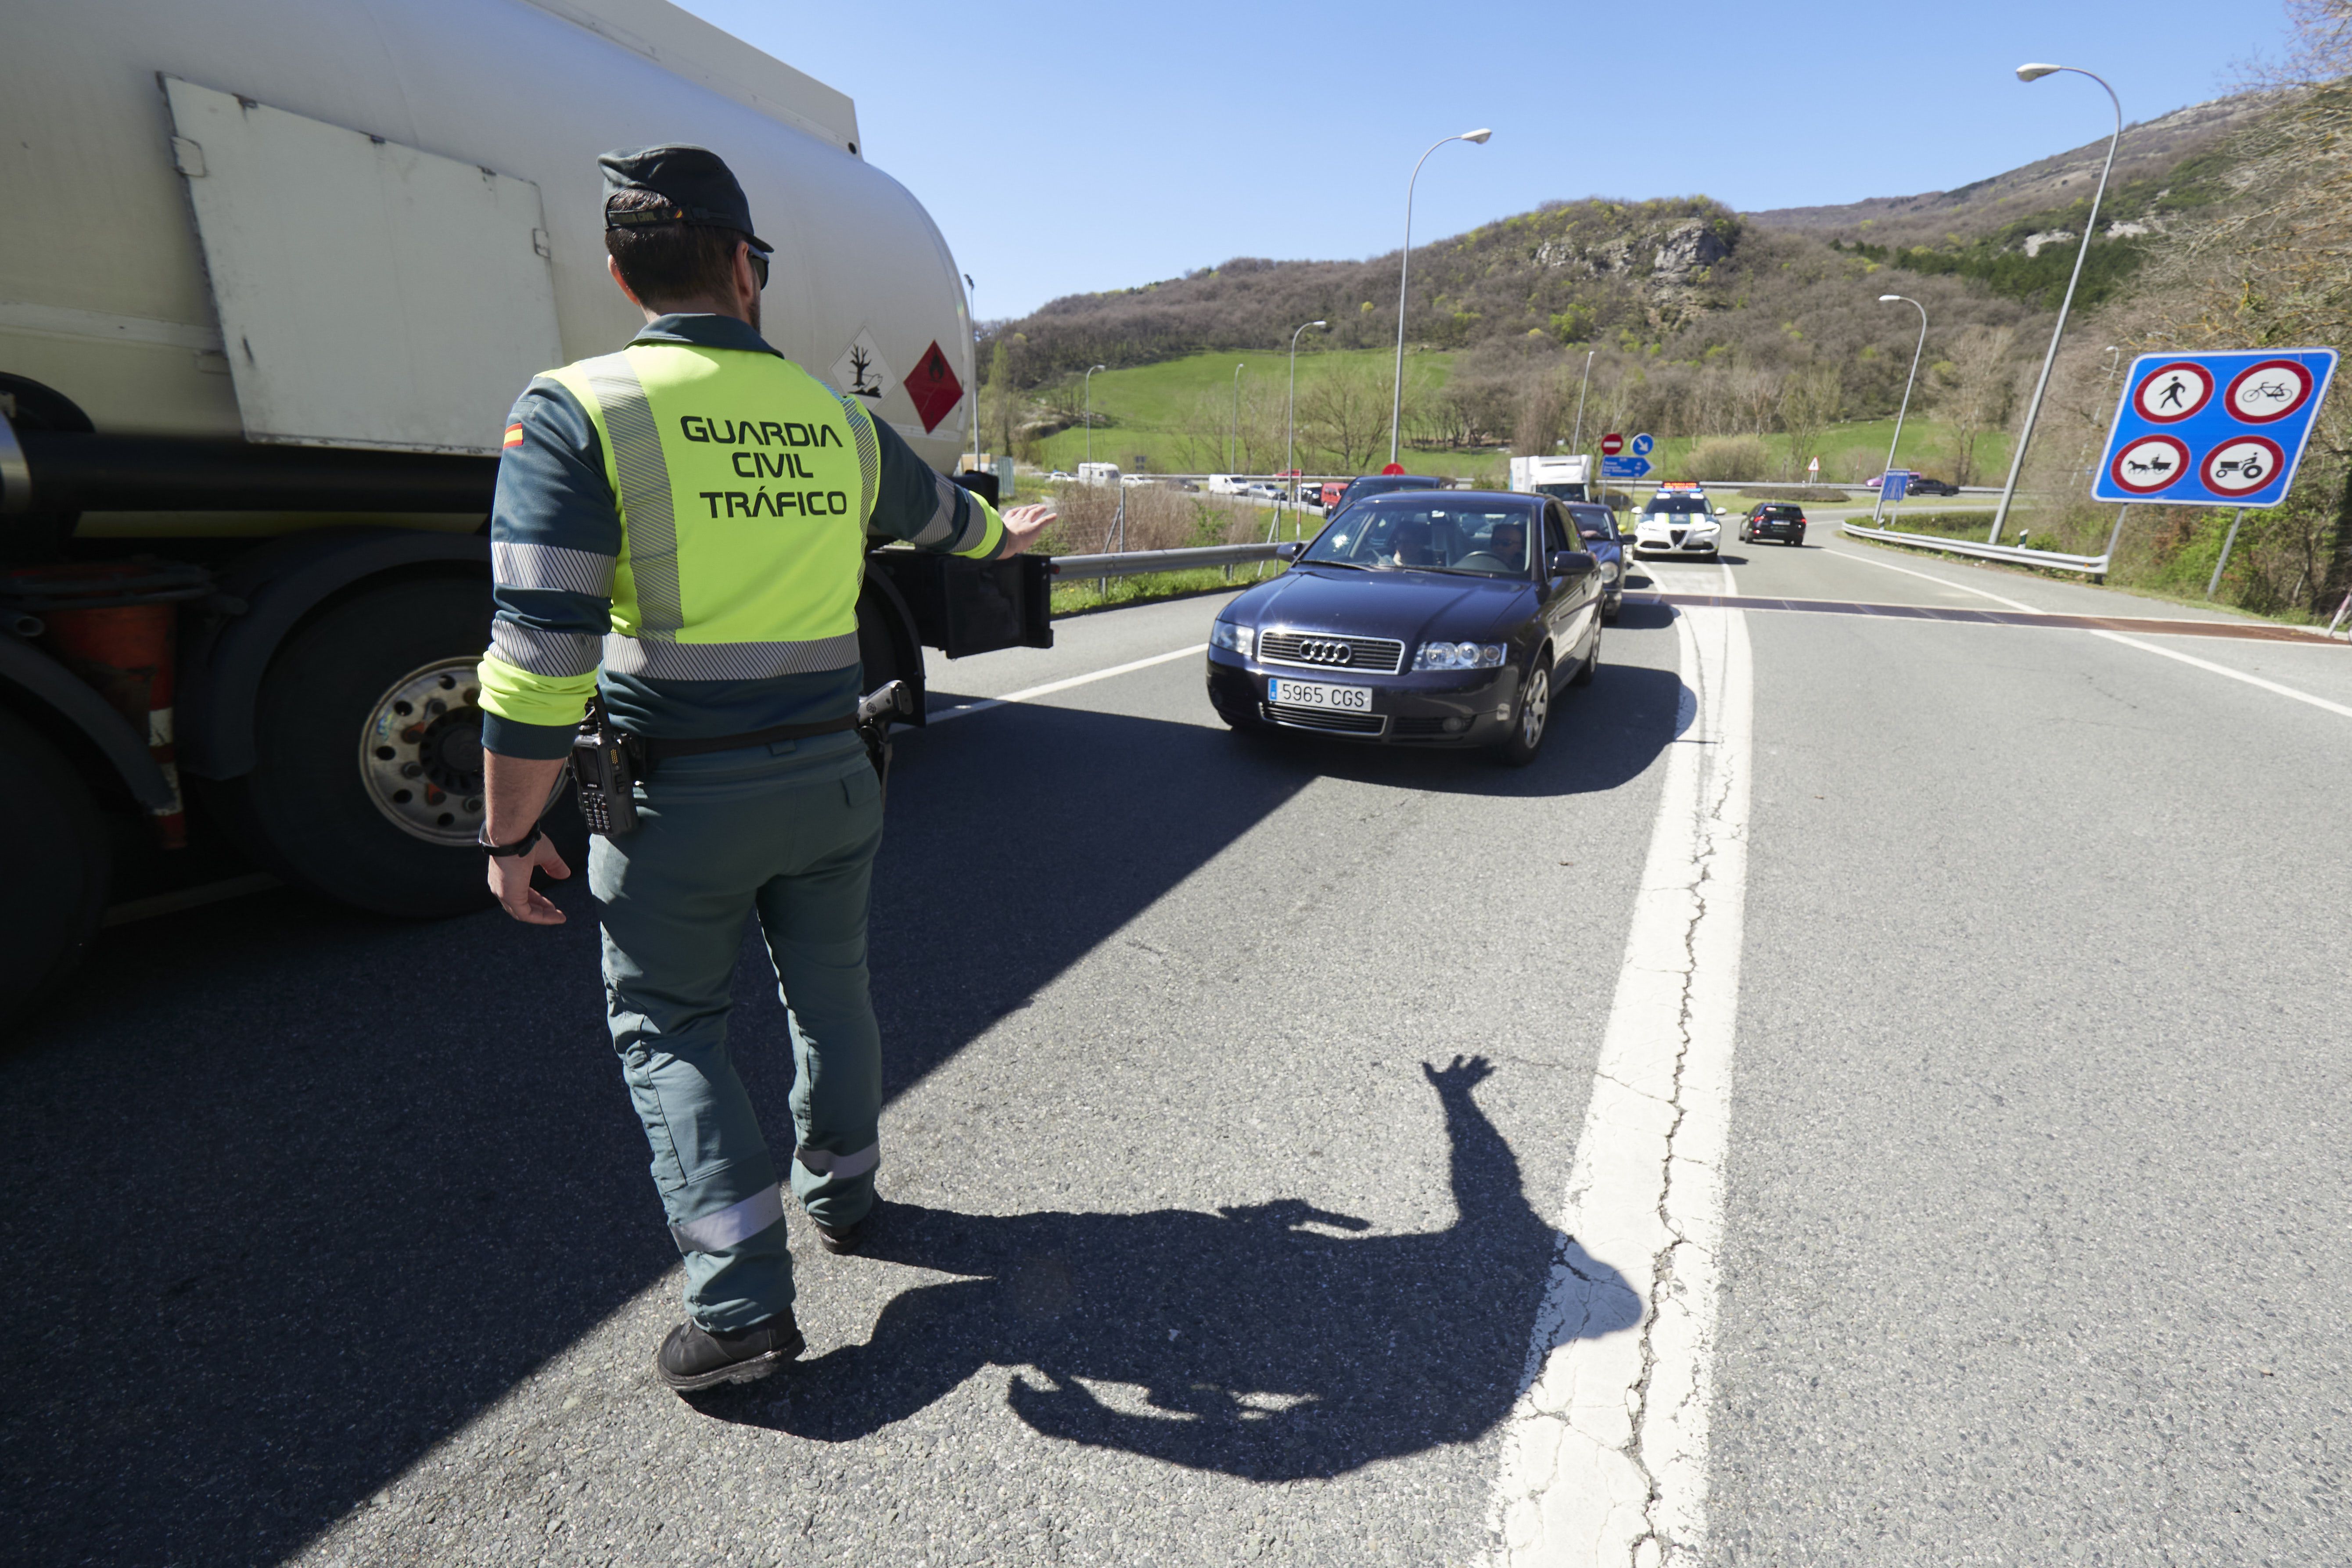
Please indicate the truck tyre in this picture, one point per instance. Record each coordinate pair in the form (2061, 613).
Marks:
(60, 863)
(368, 728)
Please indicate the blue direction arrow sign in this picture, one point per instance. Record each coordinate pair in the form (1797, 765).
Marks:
(1624, 467)
(1641, 445)
(2213, 430)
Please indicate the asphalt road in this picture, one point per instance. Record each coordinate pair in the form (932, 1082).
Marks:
(1235, 1088)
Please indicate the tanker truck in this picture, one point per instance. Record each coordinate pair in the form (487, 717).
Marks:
(271, 275)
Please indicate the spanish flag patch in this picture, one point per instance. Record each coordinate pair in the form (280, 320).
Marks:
(514, 436)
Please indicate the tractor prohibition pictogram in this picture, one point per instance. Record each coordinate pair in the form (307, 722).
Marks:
(2269, 391)
(2242, 465)
(2148, 464)
(2172, 392)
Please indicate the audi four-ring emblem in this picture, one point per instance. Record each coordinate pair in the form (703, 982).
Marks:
(1323, 651)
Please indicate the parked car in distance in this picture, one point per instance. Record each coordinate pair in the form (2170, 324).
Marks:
(1422, 617)
(1780, 520)
(1677, 521)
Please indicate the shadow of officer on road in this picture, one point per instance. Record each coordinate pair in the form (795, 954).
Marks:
(1252, 1341)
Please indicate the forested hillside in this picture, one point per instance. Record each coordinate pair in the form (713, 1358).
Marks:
(1700, 321)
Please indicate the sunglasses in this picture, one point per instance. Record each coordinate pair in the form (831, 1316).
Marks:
(759, 265)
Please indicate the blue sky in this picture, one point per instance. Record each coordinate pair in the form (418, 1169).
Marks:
(1065, 147)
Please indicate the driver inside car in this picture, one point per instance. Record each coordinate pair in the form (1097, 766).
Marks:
(1508, 542)
(1408, 543)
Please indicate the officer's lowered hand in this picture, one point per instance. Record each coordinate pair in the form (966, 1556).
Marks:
(1023, 524)
(510, 883)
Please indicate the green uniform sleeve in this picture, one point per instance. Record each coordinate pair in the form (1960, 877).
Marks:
(915, 502)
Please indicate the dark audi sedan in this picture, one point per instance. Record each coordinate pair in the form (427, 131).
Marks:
(1424, 618)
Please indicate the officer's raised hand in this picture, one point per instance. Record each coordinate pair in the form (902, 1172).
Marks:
(1023, 524)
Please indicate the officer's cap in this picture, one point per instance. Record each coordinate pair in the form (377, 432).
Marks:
(693, 181)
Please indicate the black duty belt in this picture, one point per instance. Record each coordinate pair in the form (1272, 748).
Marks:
(648, 750)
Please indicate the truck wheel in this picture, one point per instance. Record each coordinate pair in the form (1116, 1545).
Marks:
(370, 734)
(60, 863)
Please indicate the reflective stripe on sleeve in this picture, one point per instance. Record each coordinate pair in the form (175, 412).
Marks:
(734, 1224)
(666, 661)
(869, 454)
(826, 1164)
(645, 498)
(543, 652)
(941, 522)
(981, 530)
(551, 566)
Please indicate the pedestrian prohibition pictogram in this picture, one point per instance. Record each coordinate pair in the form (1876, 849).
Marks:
(2213, 430)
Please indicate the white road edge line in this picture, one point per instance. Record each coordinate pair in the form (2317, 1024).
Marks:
(2272, 685)
(1604, 1453)
(1051, 687)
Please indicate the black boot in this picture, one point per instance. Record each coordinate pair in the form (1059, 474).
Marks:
(692, 1357)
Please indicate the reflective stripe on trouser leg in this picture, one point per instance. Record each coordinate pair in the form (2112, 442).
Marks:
(814, 923)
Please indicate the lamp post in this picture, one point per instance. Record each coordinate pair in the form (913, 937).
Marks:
(1290, 425)
(1591, 480)
(1088, 381)
(2090, 227)
(1404, 272)
(1234, 431)
(1888, 300)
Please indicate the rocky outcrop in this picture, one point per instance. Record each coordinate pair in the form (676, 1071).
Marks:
(1687, 251)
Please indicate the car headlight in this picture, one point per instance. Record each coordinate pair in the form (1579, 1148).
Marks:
(1242, 639)
(1458, 656)
(1609, 570)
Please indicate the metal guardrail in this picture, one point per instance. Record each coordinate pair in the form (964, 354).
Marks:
(1134, 563)
(2091, 565)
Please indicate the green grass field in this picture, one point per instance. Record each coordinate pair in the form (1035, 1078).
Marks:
(1143, 411)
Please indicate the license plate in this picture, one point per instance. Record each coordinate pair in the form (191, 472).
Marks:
(1307, 694)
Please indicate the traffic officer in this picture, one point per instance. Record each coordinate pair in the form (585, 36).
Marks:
(680, 528)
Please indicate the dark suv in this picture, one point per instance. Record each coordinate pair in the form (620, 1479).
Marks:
(1780, 520)
(1921, 485)
(1364, 485)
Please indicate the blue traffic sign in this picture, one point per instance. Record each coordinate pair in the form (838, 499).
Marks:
(1641, 445)
(2213, 430)
(1895, 484)
(1624, 467)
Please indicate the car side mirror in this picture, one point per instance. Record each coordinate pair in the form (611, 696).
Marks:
(1288, 550)
(1572, 562)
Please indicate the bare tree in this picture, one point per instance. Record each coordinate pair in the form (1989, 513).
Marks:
(1974, 390)
(1538, 428)
(1810, 400)
(1343, 415)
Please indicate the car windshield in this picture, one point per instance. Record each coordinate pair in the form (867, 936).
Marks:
(1592, 522)
(1429, 536)
(1677, 501)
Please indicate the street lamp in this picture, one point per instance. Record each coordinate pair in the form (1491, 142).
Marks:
(1088, 381)
(2033, 409)
(1290, 423)
(1405, 266)
(1888, 300)
(1234, 433)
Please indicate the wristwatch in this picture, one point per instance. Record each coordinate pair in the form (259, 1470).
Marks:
(520, 847)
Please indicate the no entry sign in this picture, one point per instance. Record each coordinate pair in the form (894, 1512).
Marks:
(2213, 430)
(1611, 443)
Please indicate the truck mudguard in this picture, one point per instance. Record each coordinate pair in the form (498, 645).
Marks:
(42, 681)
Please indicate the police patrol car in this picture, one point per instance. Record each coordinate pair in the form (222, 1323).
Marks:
(1677, 521)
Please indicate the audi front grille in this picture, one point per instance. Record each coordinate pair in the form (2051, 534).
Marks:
(1326, 650)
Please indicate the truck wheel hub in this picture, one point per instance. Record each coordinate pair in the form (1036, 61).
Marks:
(421, 753)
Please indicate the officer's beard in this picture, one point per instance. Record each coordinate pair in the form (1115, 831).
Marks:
(755, 311)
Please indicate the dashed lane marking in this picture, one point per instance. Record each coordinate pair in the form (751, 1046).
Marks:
(1604, 1453)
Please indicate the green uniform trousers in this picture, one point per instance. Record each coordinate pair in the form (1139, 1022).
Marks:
(786, 832)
